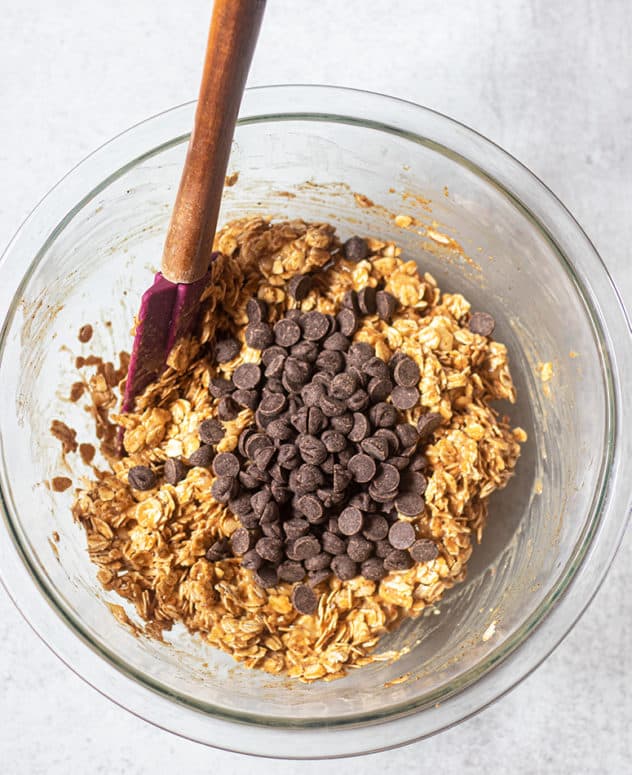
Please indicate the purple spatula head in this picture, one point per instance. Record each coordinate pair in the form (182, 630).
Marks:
(167, 312)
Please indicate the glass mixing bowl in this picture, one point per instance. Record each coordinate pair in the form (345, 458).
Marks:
(87, 252)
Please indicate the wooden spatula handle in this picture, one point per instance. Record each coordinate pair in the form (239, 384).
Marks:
(231, 43)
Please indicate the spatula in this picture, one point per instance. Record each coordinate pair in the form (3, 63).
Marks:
(168, 308)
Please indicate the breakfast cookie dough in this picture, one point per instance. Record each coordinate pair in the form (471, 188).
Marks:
(316, 460)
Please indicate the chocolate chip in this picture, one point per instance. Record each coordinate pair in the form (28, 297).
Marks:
(227, 409)
(259, 336)
(350, 521)
(278, 474)
(315, 577)
(401, 535)
(304, 547)
(312, 394)
(264, 457)
(280, 430)
(270, 549)
(330, 361)
(350, 301)
(343, 386)
(327, 467)
(260, 500)
(482, 323)
(358, 401)
(248, 399)
(223, 489)
(295, 374)
(291, 571)
(410, 504)
(415, 482)
(311, 507)
(360, 429)
(273, 370)
(341, 478)
(379, 389)
(272, 404)
(256, 311)
(220, 386)
(333, 543)
(332, 407)
(405, 397)
(334, 441)
(241, 541)
(249, 520)
(272, 530)
(299, 419)
(376, 447)
(359, 549)
(211, 431)
(398, 559)
(309, 477)
(387, 478)
(424, 550)
(362, 468)
(316, 420)
(383, 548)
(175, 470)
(318, 561)
(251, 560)
(226, 348)
(202, 456)
(247, 376)
(373, 569)
(367, 300)
(359, 353)
(311, 448)
(256, 441)
(391, 437)
(406, 372)
(386, 305)
(315, 325)
(428, 424)
(287, 332)
(348, 322)
(337, 342)
(280, 492)
(407, 434)
(375, 367)
(362, 501)
(344, 567)
(304, 599)
(375, 527)
(141, 478)
(399, 461)
(241, 506)
(266, 576)
(226, 464)
(270, 353)
(248, 481)
(299, 286)
(356, 249)
(218, 551)
(343, 424)
(295, 528)
(305, 351)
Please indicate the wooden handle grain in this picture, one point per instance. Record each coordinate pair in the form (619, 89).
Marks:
(231, 42)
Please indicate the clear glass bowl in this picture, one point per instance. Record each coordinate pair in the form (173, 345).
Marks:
(87, 252)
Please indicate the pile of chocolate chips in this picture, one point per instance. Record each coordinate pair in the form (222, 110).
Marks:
(319, 479)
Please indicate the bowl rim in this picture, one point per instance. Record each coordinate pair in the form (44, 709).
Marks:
(354, 734)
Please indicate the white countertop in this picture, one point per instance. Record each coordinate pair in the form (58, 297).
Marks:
(551, 82)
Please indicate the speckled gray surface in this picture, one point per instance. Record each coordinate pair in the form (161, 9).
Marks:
(551, 82)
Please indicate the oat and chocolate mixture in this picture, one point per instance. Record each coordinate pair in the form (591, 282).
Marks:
(316, 460)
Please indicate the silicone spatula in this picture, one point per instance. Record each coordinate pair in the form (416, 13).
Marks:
(168, 308)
